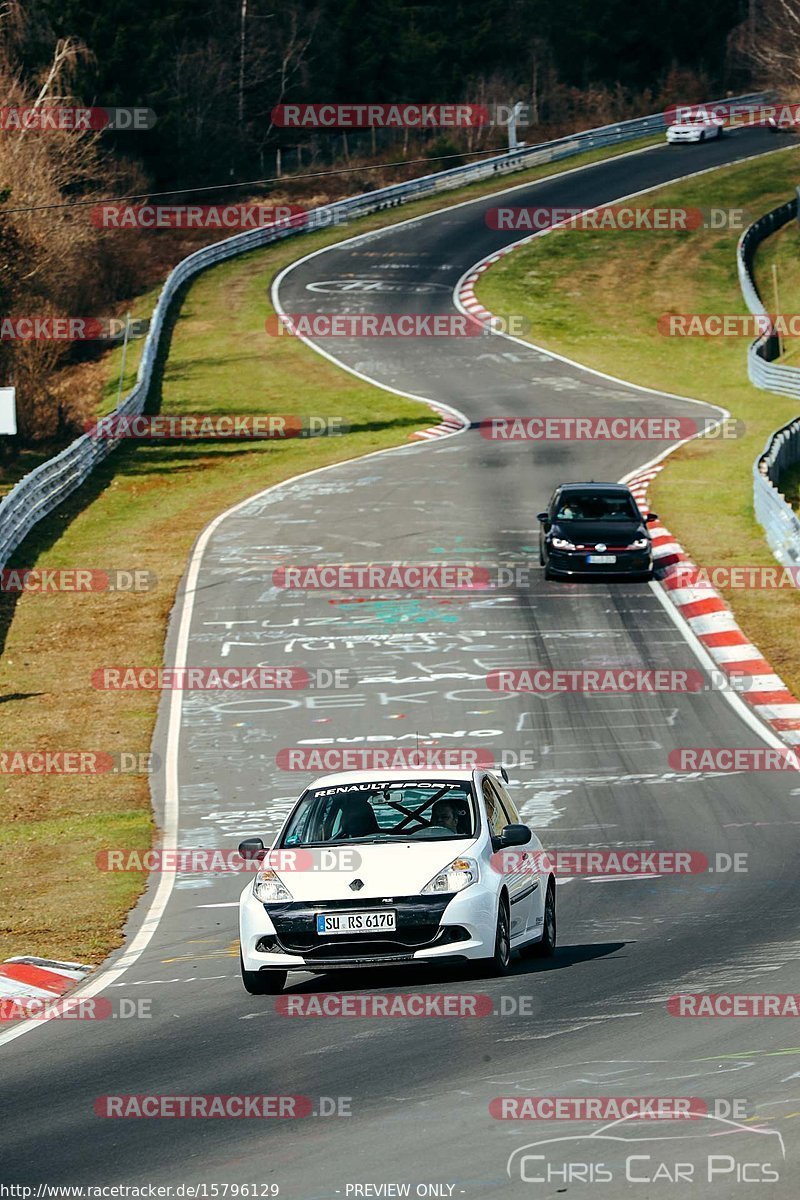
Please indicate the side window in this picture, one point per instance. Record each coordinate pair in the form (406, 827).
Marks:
(494, 809)
(511, 809)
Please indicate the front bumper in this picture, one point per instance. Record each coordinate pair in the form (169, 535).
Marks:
(575, 562)
(429, 929)
(693, 135)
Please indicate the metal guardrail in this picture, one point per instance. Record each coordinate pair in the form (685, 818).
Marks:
(761, 368)
(780, 522)
(44, 488)
(777, 518)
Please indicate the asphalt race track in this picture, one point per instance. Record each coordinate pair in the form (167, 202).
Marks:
(593, 1022)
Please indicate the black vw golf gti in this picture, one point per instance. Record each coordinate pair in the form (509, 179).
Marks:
(592, 528)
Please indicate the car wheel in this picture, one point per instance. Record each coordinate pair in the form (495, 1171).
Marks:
(541, 555)
(500, 962)
(702, 137)
(548, 572)
(262, 983)
(719, 132)
(546, 948)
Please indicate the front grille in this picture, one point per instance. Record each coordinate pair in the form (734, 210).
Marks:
(418, 925)
(363, 960)
(347, 949)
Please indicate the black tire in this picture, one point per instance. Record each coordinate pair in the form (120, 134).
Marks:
(262, 983)
(719, 132)
(702, 135)
(548, 573)
(545, 948)
(500, 962)
(541, 555)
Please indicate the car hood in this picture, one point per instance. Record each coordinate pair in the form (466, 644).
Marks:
(690, 126)
(399, 869)
(611, 533)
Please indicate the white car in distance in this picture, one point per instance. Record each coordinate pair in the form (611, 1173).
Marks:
(696, 125)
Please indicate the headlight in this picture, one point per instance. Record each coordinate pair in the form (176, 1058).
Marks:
(460, 873)
(268, 888)
(562, 544)
(639, 544)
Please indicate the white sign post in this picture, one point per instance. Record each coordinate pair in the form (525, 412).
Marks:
(8, 410)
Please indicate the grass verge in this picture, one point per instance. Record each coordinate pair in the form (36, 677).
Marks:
(596, 297)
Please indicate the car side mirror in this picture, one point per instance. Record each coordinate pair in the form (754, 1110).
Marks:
(515, 835)
(252, 848)
(543, 516)
(651, 516)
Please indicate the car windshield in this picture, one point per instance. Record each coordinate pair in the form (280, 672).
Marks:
(595, 506)
(383, 812)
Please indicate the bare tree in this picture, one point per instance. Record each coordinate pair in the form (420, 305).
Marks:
(768, 43)
(53, 262)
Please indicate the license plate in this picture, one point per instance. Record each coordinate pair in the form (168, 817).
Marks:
(601, 558)
(355, 922)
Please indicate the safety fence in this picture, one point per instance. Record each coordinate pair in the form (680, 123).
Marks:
(779, 521)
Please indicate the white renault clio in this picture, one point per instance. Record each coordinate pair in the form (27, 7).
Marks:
(403, 868)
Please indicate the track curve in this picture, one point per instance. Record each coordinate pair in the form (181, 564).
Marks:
(594, 1021)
